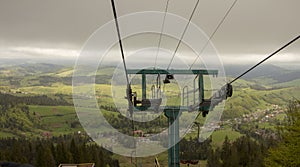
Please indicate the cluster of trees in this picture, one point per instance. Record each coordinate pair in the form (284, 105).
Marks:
(191, 149)
(258, 87)
(242, 152)
(49, 80)
(17, 118)
(52, 152)
(124, 125)
(44, 80)
(287, 152)
(109, 108)
(267, 136)
(97, 79)
(263, 150)
(8, 99)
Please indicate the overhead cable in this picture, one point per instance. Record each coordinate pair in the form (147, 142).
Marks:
(184, 31)
(214, 32)
(161, 32)
(274, 53)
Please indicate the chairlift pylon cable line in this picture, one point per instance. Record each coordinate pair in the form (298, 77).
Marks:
(120, 40)
(265, 59)
(182, 35)
(213, 34)
(161, 32)
(128, 91)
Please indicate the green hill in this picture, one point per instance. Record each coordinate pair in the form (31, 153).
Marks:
(264, 86)
(18, 121)
(52, 113)
(250, 94)
(30, 69)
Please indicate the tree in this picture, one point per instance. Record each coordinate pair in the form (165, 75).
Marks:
(229, 154)
(213, 159)
(53, 151)
(44, 156)
(287, 152)
(75, 151)
(225, 149)
(62, 154)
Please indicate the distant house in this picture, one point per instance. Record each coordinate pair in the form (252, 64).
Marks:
(78, 165)
(140, 133)
(47, 134)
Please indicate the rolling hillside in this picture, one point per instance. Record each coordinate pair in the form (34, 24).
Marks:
(254, 92)
(264, 86)
(265, 74)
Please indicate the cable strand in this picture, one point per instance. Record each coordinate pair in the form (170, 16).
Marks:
(128, 92)
(213, 34)
(182, 35)
(120, 40)
(265, 59)
(161, 32)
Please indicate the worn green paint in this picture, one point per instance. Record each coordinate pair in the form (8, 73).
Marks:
(201, 87)
(173, 136)
(144, 86)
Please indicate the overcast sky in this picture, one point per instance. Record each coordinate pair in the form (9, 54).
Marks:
(59, 28)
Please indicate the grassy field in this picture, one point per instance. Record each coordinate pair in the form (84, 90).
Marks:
(57, 119)
(219, 136)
